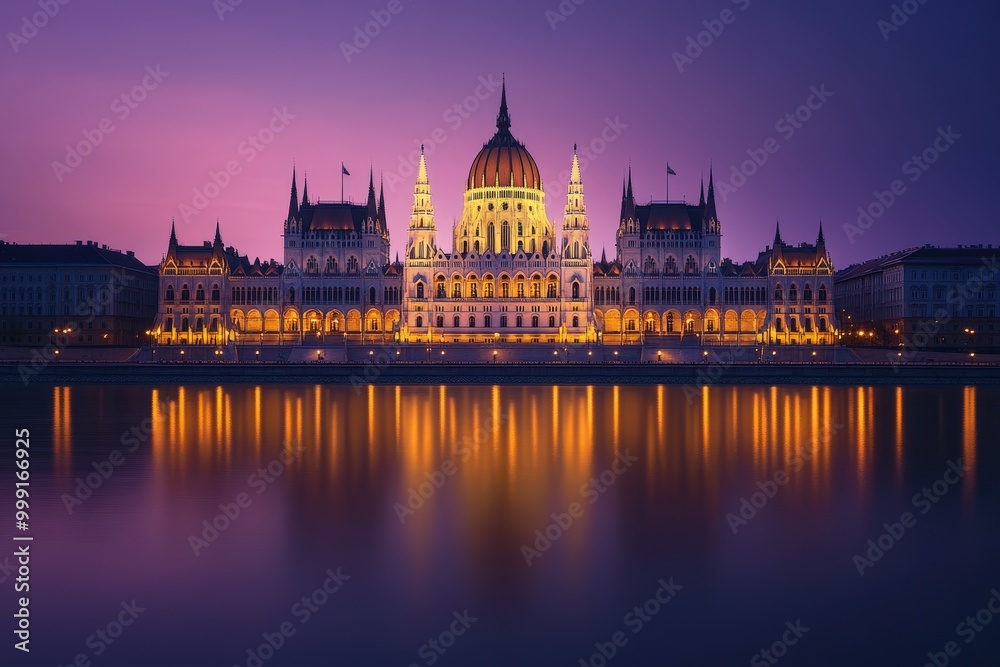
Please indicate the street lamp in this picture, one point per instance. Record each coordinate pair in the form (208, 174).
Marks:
(494, 356)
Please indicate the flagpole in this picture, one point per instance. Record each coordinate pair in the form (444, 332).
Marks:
(341, 181)
(668, 182)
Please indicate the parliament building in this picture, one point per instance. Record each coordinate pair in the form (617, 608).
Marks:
(508, 277)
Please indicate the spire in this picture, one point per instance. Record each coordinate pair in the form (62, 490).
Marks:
(218, 236)
(305, 189)
(628, 206)
(701, 200)
(293, 201)
(777, 234)
(710, 211)
(422, 168)
(372, 206)
(574, 172)
(173, 233)
(381, 202)
(820, 242)
(503, 118)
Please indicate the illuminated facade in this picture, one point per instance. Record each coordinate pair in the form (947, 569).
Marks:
(508, 278)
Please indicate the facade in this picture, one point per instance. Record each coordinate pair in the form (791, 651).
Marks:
(945, 298)
(509, 276)
(84, 294)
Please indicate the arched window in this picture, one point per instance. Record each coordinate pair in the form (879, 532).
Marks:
(670, 266)
(491, 237)
(670, 322)
(552, 322)
(534, 321)
(807, 293)
(823, 293)
(712, 295)
(690, 265)
(552, 291)
(441, 288)
(371, 295)
(440, 321)
(420, 321)
(631, 295)
(420, 291)
(331, 264)
(793, 292)
(472, 321)
(169, 296)
(352, 264)
(185, 293)
(649, 266)
(474, 290)
(312, 265)
(576, 321)
(519, 321)
(779, 294)
(456, 322)
(520, 229)
(576, 290)
(505, 235)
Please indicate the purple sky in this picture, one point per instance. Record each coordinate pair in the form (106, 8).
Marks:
(605, 61)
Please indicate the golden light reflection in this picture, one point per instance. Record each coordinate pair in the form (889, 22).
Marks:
(969, 432)
(62, 428)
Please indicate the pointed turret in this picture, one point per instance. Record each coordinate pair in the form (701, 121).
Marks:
(701, 200)
(173, 233)
(576, 235)
(305, 189)
(622, 215)
(218, 236)
(777, 234)
(372, 205)
(604, 257)
(821, 241)
(710, 211)
(629, 206)
(293, 201)
(381, 204)
(503, 117)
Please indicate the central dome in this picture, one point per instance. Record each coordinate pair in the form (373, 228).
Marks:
(504, 161)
